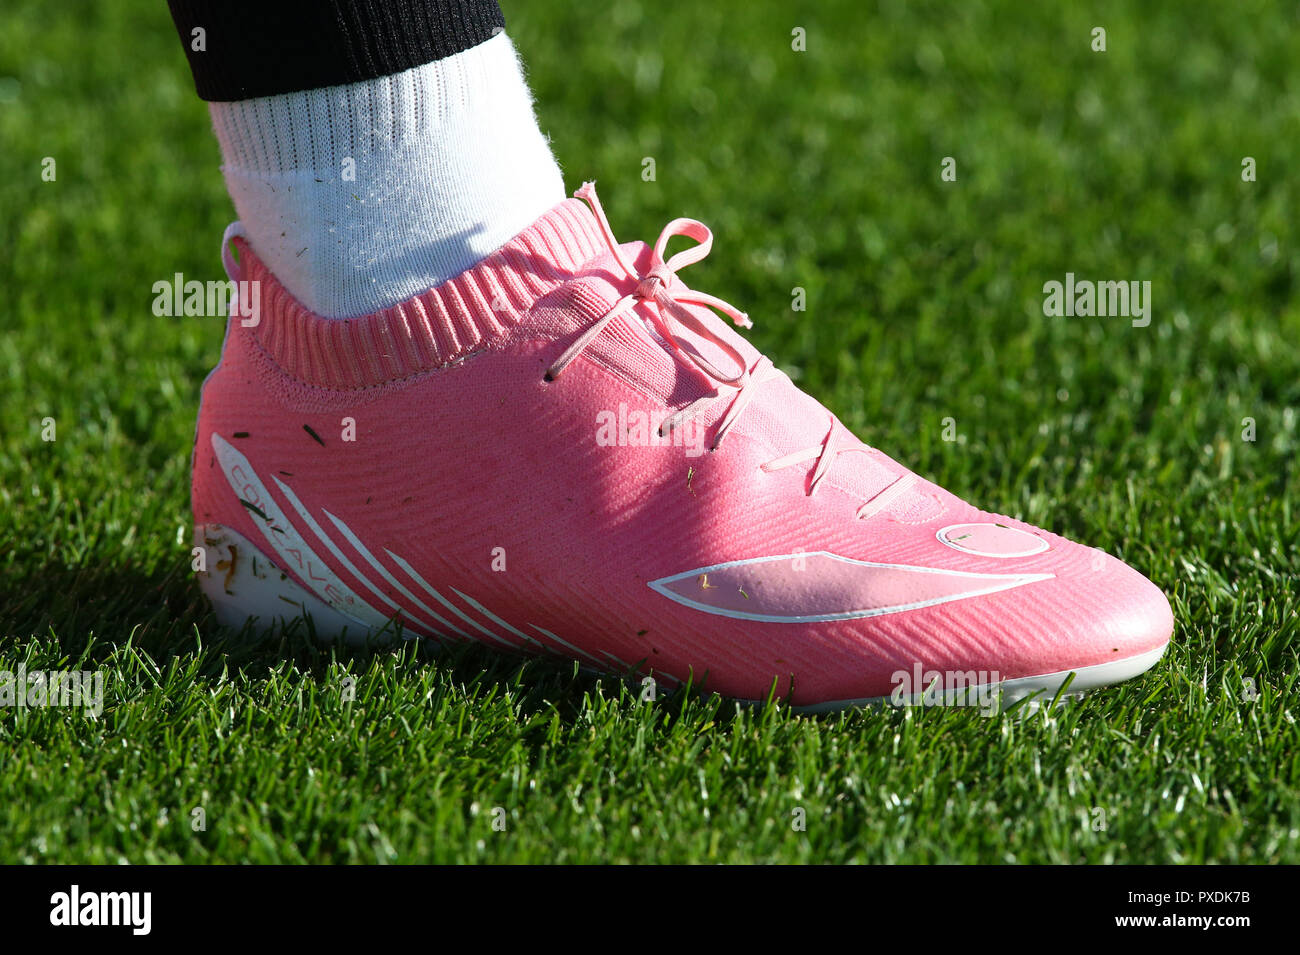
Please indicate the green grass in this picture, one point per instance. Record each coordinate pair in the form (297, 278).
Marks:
(818, 170)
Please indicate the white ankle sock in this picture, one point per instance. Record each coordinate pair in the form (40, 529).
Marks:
(449, 166)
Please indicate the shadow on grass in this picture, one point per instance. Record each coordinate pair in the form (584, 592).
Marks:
(80, 617)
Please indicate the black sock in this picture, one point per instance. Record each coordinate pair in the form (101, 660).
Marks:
(239, 49)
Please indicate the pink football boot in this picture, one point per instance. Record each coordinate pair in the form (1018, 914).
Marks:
(566, 450)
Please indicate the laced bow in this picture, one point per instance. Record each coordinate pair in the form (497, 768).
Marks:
(656, 285)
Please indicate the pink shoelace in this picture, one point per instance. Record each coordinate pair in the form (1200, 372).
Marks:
(742, 386)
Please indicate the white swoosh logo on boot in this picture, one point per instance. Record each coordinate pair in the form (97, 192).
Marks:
(820, 586)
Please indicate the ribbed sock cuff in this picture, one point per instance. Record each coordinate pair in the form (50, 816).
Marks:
(431, 330)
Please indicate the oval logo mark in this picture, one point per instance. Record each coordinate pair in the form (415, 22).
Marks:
(991, 540)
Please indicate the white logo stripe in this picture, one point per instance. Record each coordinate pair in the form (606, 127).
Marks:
(293, 549)
(334, 548)
(285, 540)
(567, 645)
(659, 675)
(625, 666)
(383, 571)
(493, 617)
(447, 603)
